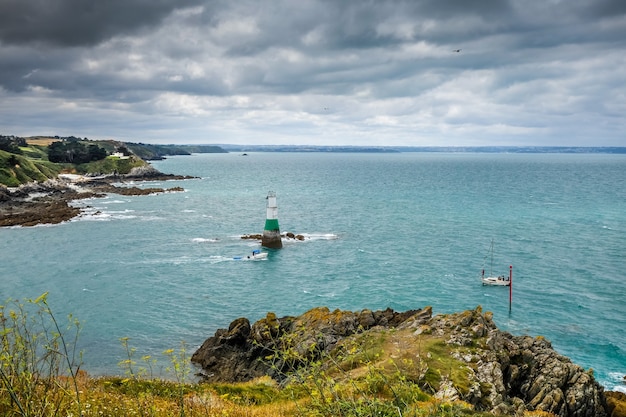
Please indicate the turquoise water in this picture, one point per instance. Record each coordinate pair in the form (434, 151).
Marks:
(383, 230)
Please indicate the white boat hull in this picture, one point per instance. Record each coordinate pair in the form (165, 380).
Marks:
(496, 281)
(252, 257)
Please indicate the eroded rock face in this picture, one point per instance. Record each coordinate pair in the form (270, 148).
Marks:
(239, 354)
(521, 372)
(550, 382)
(507, 374)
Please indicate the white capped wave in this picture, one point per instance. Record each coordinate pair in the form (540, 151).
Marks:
(315, 236)
(36, 225)
(214, 259)
(203, 240)
(620, 388)
(327, 295)
(151, 218)
(619, 379)
(94, 214)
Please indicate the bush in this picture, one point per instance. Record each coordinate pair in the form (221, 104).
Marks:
(38, 365)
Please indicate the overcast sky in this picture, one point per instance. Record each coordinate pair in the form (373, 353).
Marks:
(328, 72)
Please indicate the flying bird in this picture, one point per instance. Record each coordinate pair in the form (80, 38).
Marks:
(456, 50)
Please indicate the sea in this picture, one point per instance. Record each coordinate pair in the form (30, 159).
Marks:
(144, 274)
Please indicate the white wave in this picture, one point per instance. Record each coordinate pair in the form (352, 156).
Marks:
(36, 225)
(313, 236)
(620, 388)
(217, 259)
(202, 240)
(122, 217)
(611, 228)
(327, 295)
(188, 211)
(619, 379)
(151, 218)
(321, 236)
(93, 214)
(214, 259)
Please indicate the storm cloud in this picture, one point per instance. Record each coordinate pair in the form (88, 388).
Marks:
(316, 71)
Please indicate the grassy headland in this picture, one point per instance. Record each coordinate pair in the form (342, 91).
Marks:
(41, 374)
(24, 160)
(379, 372)
(33, 192)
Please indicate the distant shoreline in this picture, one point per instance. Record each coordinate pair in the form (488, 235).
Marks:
(428, 149)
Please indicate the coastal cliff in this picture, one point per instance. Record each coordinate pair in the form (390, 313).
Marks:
(48, 202)
(39, 176)
(456, 357)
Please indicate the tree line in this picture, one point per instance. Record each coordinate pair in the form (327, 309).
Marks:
(75, 152)
(12, 144)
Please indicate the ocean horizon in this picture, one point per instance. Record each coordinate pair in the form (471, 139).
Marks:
(398, 230)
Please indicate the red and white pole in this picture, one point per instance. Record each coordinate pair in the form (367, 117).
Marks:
(510, 286)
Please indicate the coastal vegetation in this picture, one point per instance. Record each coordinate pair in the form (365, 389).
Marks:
(25, 160)
(41, 374)
(33, 191)
(16, 169)
(376, 373)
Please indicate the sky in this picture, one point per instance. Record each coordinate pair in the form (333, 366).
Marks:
(316, 72)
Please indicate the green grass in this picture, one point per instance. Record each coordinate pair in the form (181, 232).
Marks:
(110, 165)
(18, 169)
(377, 373)
(33, 165)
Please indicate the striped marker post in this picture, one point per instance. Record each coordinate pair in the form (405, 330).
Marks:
(271, 234)
(510, 286)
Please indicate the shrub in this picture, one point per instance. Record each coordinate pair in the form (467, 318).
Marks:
(38, 365)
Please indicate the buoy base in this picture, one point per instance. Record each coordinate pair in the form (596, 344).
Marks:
(271, 239)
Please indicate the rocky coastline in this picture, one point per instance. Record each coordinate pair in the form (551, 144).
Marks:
(506, 374)
(259, 236)
(49, 202)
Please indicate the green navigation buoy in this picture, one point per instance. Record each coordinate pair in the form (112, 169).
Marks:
(271, 234)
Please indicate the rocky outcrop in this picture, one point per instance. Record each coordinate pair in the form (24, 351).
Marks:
(259, 236)
(506, 374)
(616, 403)
(150, 173)
(48, 202)
(237, 353)
(521, 372)
(34, 203)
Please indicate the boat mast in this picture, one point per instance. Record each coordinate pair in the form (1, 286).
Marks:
(491, 266)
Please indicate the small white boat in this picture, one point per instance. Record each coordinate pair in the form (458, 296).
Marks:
(256, 255)
(499, 280)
